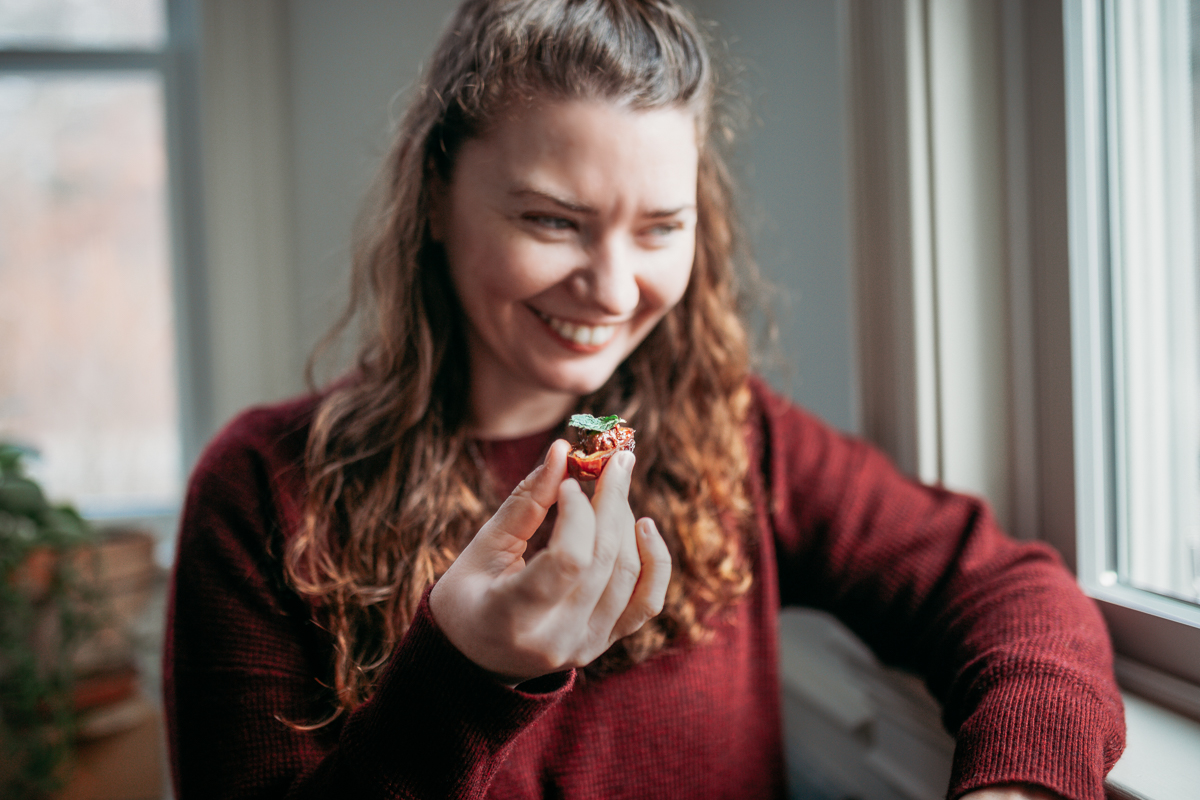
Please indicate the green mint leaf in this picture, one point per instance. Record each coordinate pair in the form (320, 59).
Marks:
(599, 424)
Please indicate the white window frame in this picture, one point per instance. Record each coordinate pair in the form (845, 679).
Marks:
(1157, 638)
(963, 201)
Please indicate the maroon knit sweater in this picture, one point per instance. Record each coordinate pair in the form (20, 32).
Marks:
(1006, 641)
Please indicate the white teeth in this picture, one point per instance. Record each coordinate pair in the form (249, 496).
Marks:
(588, 335)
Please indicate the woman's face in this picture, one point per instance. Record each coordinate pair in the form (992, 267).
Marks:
(570, 230)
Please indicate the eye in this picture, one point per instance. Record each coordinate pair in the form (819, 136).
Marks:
(549, 222)
(663, 230)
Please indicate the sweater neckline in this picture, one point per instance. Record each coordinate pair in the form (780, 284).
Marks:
(510, 460)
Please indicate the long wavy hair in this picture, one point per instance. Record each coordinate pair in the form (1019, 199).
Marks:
(396, 486)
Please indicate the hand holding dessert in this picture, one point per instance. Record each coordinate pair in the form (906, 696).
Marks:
(600, 577)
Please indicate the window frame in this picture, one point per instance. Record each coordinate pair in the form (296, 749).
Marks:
(1157, 638)
(176, 62)
(1022, 57)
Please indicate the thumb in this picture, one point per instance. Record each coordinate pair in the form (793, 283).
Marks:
(523, 511)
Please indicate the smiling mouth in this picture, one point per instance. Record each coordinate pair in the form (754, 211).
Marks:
(585, 335)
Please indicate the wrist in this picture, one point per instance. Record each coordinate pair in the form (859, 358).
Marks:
(1012, 791)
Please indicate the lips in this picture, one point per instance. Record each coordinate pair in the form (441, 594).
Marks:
(582, 335)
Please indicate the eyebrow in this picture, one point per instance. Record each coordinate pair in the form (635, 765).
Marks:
(580, 208)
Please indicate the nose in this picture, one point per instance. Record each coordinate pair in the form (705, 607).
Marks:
(609, 281)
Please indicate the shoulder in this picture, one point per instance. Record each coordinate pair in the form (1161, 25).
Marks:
(232, 606)
(268, 437)
(255, 463)
(809, 469)
(784, 435)
(769, 408)
(271, 433)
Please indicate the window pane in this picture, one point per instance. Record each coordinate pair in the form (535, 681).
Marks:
(1155, 309)
(82, 23)
(87, 370)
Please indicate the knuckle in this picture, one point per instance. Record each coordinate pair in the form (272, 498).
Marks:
(608, 550)
(628, 626)
(647, 609)
(627, 569)
(570, 565)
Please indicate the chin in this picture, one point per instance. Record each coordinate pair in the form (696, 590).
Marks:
(584, 387)
(581, 384)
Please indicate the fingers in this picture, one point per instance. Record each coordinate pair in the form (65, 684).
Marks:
(569, 553)
(615, 592)
(591, 562)
(573, 539)
(519, 516)
(554, 470)
(600, 577)
(651, 590)
(614, 566)
(611, 502)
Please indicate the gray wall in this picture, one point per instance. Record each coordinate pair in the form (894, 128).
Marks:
(351, 62)
(794, 169)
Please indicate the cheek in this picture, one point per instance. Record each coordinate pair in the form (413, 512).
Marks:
(672, 280)
(492, 267)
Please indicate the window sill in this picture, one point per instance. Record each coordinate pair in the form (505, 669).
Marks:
(1160, 761)
(161, 522)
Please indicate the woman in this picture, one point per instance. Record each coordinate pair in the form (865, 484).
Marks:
(355, 613)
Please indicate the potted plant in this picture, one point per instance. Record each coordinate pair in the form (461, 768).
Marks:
(44, 613)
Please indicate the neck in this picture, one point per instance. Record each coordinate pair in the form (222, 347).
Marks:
(500, 414)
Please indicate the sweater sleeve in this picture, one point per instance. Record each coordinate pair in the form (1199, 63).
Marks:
(1018, 656)
(243, 655)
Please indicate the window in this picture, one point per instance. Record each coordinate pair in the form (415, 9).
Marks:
(1135, 308)
(91, 245)
(1027, 289)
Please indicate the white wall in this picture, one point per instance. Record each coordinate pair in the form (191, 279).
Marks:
(350, 62)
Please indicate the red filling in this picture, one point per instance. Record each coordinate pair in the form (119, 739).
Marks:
(587, 460)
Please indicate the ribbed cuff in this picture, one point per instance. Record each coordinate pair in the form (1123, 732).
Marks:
(1049, 730)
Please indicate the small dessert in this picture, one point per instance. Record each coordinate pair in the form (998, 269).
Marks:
(601, 438)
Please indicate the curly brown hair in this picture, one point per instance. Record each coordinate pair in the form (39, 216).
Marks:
(395, 490)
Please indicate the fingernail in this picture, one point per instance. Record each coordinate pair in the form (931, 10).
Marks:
(626, 459)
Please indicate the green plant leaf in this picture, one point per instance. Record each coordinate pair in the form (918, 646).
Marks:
(21, 496)
(64, 525)
(37, 719)
(11, 456)
(598, 424)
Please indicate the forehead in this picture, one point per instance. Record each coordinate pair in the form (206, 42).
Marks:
(588, 148)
